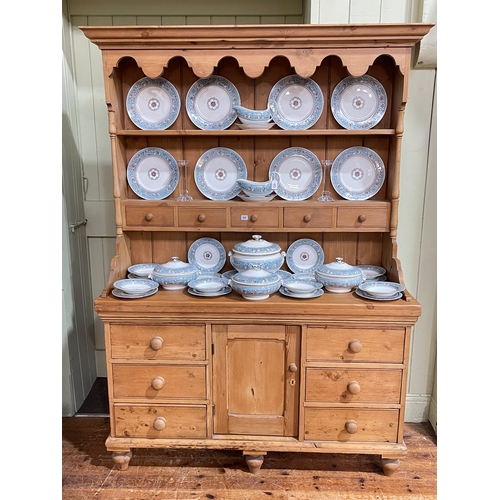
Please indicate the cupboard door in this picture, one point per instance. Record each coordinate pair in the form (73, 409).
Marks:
(256, 379)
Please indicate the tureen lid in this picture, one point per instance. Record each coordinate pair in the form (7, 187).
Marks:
(255, 276)
(256, 246)
(175, 266)
(339, 269)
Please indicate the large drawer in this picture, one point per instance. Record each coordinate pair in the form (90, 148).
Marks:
(338, 385)
(364, 425)
(385, 345)
(159, 381)
(159, 342)
(173, 421)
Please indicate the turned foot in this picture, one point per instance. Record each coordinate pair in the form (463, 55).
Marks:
(389, 465)
(254, 462)
(122, 459)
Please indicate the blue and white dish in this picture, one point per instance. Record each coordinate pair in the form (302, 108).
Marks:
(382, 288)
(152, 173)
(372, 272)
(365, 295)
(339, 276)
(142, 270)
(269, 197)
(312, 295)
(357, 173)
(301, 286)
(229, 274)
(254, 188)
(255, 283)
(256, 252)
(300, 173)
(135, 286)
(223, 291)
(174, 275)
(210, 103)
(124, 295)
(207, 254)
(217, 171)
(304, 256)
(153, 103)
(249, 116)
(296, 103)
(359, 102)
(208, 285)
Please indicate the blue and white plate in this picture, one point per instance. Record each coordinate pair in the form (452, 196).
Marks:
(299, 172)
(296, 103)
(311, 295)
(371, 272)
(359, 103)
(207, 254)
(210, 103)
(304, 256)
(366, 295)
(124, 295)
(153, 103)
(152, 173)
(224, 291)
(357, 173)
(217, 171)
(142, 270)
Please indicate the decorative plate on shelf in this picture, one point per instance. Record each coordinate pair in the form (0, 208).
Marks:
(359, 103)
(124, 295)
(210, 101)
(357, 173)
(299, 172)
(223, 291)
(216, 172)
(153, 103)
(304, 256)
(296, 103)
(310, 295)
(366, 295)
(207, 254)
(152, 173)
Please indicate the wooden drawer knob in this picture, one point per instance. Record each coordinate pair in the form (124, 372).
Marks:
(362, 218)
(201, 217)
(355, 345)
(351, 426)
(293, 367)
(353, 387)
(307, 218)
(158, 383)
(254, 217)
(160, 423)
(156, 343)
(149, 216)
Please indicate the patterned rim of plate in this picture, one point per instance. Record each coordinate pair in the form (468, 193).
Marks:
(123, 295)
(201, 167)
(317, 293)
(295, 246)
(207, 255)
(365, 295)
(147, 266)
(194, 93)
(345, 190)
(316, 171)
(339, 93)
(223, 291)
(134, 165)
(296, 103)
(172, 102)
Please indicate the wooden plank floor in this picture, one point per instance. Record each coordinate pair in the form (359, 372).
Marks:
(88, 471)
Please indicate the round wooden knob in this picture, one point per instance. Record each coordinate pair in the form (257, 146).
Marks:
(158, 383)
(351, 426)
(254, 217)
(362, 218)
(149, 216)
(307, 218)
(156, 343)
(202, 217)
(160, 423)
(353, 387)
(293, 367)
(355, 345)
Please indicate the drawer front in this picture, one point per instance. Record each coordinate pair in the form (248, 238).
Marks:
(202, 217)
(173, 421)
(146, 216)
(308, 217)
(337, 385)
(331, 424)
(359, 218)
(247, 217)
(159, 381)
(160, 342)
(355, 344)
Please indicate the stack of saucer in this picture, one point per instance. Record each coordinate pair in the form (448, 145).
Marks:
(299, 288)
(134, 288)
(383, 290)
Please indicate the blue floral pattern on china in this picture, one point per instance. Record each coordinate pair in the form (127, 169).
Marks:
(207, 254)
(304, 256)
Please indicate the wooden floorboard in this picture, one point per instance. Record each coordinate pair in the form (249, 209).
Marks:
(88, 471)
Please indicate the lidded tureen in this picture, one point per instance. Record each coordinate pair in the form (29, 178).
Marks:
(255, 283)
(339, 276)
(174, 275)
(256, 251)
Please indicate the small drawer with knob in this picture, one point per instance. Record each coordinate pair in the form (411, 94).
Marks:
(351, 424)
(201, 217)
(183, 342)
(160, 421)
(338, 385)
(255, 217)
(360, 218)
(308, 217)
(148, 215)
(334, 344)
(159, 382)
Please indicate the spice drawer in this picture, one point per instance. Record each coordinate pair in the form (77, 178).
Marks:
(254, 218)
(350, 424)
(338, 385)
(202, 217)
(383, 345)
(157, 342)
(159, 381)
(160, 421)
(308, 218)
(363, 218)
(148, 216)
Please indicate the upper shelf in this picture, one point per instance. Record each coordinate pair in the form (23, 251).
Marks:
(266, 133)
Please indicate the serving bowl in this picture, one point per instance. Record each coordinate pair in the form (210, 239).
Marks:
(255, 283)
(174, 275)
(135, 286)
(382, 288)
(247, 115)
(256, 251)
(208, 284)
(339, 277)
(299, 286)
